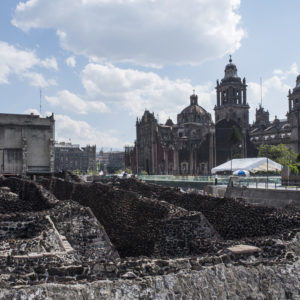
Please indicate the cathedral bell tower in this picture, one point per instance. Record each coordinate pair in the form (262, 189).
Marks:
(232, 98)
(231, 114)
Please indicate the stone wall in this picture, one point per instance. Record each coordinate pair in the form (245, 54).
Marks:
(43, 239)
(67, 254)
(232, 219)
(215, 282)
(136, 225)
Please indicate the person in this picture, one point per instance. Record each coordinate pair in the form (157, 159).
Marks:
(216, 179)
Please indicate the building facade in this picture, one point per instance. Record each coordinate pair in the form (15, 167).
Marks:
(186, 147)
(195, 144)
(284, 131)
(70, 157)
(111, 161)
(26, 144)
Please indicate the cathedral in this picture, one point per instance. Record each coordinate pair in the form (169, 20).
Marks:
(195, 144)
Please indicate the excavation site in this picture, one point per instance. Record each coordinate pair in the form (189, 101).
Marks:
(62, 238)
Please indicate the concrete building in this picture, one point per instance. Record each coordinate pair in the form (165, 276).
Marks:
(69, 157)
(26, 144)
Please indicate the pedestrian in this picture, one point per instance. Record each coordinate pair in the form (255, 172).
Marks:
(216, 179)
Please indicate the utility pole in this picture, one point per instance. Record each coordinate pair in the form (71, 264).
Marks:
(40, 101)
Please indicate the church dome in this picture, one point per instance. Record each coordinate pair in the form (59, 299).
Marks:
(230, 70)
(296, 89)
(194, 113)
(169, 122)
(194, 109)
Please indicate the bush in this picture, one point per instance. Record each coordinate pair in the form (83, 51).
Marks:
(294, 169)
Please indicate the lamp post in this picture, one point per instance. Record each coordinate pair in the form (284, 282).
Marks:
(267, 172)
(231, 160)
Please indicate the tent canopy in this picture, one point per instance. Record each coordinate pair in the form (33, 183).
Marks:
(252, 165)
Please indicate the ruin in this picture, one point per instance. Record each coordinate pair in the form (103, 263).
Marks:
(61, 238)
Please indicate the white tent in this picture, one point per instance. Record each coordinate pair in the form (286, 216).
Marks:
(252, 165)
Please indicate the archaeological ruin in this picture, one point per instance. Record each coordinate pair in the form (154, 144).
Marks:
(62, 238)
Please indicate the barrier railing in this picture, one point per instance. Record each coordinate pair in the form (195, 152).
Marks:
(273, 182)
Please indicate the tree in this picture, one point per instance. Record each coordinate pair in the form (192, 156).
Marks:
(279, 153)
(235, 138)
(235, 135)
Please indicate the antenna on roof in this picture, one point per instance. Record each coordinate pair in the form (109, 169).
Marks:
(260, 92)
(40, 101)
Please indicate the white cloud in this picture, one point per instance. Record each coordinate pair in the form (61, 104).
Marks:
(31, 111)
(49, 63)
(274, 91)
(19, 62)
(80, 132)
(71, 61)
(137, 90)
(140, 31)
(74, 104)
(37, 79)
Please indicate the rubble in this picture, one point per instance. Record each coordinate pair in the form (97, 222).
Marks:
(122, 238)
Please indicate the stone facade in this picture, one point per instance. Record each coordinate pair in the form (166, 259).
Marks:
(183, 148)
(285, 131)
(26, 144)
(111, 161)
(231, 110)
(196, 144)
(69, 157)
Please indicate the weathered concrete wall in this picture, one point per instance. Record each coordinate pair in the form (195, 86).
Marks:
(214, 190)
(26, 144)
(265, 197)
(216, 282)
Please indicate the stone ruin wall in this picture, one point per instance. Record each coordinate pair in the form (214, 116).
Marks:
(66, 254)
(137, 225)
(215, 282)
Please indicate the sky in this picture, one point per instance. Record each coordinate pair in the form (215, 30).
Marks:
(98, 64)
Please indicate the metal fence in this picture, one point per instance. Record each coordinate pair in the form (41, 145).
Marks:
(263, 182)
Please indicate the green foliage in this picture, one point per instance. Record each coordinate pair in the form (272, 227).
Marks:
(98, 166)
(235, 135)
(294, 169)
(280, 153)
(77, 172)
(128, 171)
(113, 170)
(298, 158)
(119, 171)
(143, 172)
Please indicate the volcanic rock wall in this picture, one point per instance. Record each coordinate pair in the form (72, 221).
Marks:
(137, 225)
(52, 242)
(215, 282)
(231, 219)
(56, 249)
